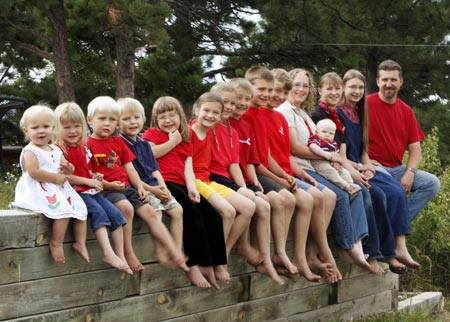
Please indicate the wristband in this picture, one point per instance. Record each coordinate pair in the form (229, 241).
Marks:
(413, 170)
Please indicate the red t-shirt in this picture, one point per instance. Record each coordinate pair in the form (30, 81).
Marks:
(226, 152)
(248, 153)
(171, 165)
(260, 130)
(80, 156)
(278, 134)
(109, 157)
(201, 157)
(391, 128)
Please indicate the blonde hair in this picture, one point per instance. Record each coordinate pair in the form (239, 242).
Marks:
(282, 76)
(69, 112)
(310, 101)
(241, 83)
(327, 124)
(103, 104)
(209, 97)
(258, 72)
(170, 104)
(130, 105)
(34, 112)
(361, 105)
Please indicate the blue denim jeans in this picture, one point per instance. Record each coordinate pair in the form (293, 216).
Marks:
(102, 213)
(425, 187)
(349, 222)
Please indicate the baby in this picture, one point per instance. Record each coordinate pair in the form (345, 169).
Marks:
(322, 144)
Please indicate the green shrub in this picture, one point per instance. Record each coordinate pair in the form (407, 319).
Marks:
(430, 239)
(8, 182)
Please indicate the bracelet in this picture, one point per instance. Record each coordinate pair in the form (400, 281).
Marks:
(413, 170)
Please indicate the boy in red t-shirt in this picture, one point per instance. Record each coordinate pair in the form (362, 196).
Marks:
(112, 158)
(258, 116)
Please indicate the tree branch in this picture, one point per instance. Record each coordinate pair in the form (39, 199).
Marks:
(25, 28)
(5, 74)
(35, 50)
(213, 72)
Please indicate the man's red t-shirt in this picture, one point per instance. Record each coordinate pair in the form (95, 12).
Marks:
(391, 128)
(171, 165)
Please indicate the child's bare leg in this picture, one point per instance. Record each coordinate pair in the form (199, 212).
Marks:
(324, 203)
(282, 203)
(208, 273)
(302, 221)
(226, 210)
(59, 227)
(196, 277)
(176, 224)
(261, 224)
(79, 233)
(128, 213)
(109, 256)
(402, 253)
(166, 251)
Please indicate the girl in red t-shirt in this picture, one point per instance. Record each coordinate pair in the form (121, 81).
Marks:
(202, 224)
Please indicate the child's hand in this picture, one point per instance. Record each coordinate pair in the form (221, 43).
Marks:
(97, 176)
(175, 137)
(117, 185)
(194, 195)
(142, 193)
(337, 166)
(335, 157)
(96, 184)
(60, 179)
(66, 167)
(162, 193)
(292, 182)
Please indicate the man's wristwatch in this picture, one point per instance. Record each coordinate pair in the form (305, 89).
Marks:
(413, 170)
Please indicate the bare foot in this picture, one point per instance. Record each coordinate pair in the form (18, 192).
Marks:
(177, 259)
(196, 277)
(375, 268)
(208, 273)
(355, 256)
(115, 261)
(134, 262)
(57, 252)
(250, 254)
(304, 270)
(321, 268)
(393, 262)
(221, 273)
(404, 257)
(82, 251)
(267, 268)
(284, 261)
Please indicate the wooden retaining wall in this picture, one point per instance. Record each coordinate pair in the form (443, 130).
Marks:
(34, 288)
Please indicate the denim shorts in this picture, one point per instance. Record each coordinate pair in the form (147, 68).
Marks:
(101, 212)
(306, 186)
(129, 193)
(268, 184)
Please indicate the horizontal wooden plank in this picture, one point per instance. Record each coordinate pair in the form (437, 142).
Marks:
(365, 285)
(26, 264)
(26, 298)
(348, 311)
(152, 307)
(17, 229)
(276, 307)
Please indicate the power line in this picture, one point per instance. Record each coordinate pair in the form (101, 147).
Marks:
(376, 45)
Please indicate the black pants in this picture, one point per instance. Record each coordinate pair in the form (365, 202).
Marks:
(202, 229)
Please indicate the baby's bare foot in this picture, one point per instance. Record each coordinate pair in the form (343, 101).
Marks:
(57, 252)
(82, 251)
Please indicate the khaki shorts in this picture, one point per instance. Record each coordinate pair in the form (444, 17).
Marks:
(158, 205)
(206, 189)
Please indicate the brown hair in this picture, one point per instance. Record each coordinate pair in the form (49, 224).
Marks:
(333, 79)
(170, 104)
(207, 98)
(362, 104)
(389, 65)
(220, 88)
(310, 100)
(282, 76)
(258, 72)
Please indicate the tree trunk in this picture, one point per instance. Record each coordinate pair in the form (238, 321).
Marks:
(125, 63)
(61, 54)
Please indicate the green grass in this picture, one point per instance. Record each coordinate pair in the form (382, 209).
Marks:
(8, 180)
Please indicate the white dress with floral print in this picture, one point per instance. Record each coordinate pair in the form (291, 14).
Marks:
(54, 201)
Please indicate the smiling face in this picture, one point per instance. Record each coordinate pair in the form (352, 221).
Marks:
(262, 89)
(354, 91)
(131, 123)
(278, 95)
(71, 133)
(389, 83)
(243, 100)
(208, 114)
(300, 89)
(103, 124)
(331, 93)
(39, 129)
(168, 122)
(229, 103)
